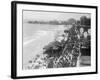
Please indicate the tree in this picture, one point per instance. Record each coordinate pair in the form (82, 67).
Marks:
(71, 21)
(85, 21)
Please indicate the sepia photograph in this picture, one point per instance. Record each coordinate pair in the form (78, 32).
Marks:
(56, 39)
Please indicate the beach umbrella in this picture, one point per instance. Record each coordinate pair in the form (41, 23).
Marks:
(85, 34)
(81, 30)
(89, 31)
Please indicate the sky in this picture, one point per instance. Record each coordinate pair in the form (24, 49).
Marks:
(47, 16)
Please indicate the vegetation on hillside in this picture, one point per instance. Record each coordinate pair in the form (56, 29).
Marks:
(65, 51)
